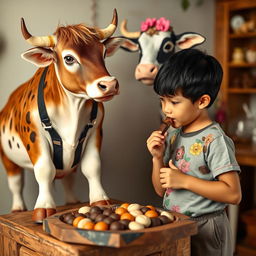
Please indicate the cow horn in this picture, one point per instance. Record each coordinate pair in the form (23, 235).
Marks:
(110, 29)
(126, 33)
(46, 41)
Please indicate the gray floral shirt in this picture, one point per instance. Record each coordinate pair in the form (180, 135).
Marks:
(204, 154)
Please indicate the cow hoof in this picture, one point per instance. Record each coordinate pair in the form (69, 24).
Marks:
(41, 213)
(101, 202)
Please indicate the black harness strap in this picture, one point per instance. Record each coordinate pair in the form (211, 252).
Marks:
(56, 139)
(84, 133)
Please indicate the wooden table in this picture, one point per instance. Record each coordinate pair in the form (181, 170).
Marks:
(20, 236)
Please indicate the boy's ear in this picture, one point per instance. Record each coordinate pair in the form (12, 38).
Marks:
(204, 101)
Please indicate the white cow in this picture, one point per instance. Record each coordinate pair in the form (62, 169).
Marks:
(156, 43)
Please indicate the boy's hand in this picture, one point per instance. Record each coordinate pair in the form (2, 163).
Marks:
(172, 177)
(156, 144)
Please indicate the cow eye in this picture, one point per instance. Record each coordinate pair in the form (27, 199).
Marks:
(168, 46)
(70, 60)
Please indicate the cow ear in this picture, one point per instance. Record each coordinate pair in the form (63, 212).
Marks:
(188, 40)
(112, 44)
(130, 45)
(41, 57)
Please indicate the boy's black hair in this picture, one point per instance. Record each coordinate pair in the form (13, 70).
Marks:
(191, 71)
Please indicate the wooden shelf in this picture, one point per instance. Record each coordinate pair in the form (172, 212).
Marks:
(246, 153)
(242, 65)
(234, 75)
(243, 35)
(241, 90)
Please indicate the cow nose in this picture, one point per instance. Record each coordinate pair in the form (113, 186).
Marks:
(146, 71)
(107, 86)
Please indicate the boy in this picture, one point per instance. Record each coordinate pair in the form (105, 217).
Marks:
(194, 166)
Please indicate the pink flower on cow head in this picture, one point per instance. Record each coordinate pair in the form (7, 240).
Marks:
(149, 23)
(161, 24)
(183, 165)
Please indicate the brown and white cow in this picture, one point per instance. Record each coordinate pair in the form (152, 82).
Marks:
(74, 83)
(156, 42)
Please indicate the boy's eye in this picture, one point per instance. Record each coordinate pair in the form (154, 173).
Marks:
(174, 102)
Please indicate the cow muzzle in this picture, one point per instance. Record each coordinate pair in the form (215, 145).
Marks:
(108, 89)
(146, 73)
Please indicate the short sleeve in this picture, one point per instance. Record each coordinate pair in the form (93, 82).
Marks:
(220, 156)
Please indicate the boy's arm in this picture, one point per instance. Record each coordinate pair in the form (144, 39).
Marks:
(157, 165)
(226, 189)
(156, 147)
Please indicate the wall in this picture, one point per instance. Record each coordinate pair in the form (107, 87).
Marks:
(130, 117)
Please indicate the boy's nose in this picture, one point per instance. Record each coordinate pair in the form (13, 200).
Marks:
(167, 110)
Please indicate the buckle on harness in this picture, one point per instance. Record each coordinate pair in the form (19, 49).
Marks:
(47, 126)
(92, 123)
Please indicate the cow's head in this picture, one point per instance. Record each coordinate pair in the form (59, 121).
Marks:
(78, 52)
(156, 42)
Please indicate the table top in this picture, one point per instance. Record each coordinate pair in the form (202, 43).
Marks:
(19, 226)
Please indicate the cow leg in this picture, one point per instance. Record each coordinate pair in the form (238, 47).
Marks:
(68, 184)
(15, 182)
(44, 174)
(91, 169)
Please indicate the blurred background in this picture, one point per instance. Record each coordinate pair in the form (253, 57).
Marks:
(134, 114)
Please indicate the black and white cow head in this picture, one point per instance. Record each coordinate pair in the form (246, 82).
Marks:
(156, 42)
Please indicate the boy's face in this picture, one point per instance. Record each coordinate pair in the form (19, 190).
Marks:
(181, 110)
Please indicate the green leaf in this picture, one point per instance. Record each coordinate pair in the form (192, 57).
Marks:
(185, 4)
(167, 202)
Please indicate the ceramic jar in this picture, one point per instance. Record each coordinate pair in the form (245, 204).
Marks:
(238, 55)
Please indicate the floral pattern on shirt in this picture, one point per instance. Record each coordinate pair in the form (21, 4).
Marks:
(204, 169)
(175, 208)
(184, 166)
(207, 140)
(196, 148)
(168, 191)
(179, 153)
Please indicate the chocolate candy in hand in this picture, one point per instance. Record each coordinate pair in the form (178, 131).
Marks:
(166, 123)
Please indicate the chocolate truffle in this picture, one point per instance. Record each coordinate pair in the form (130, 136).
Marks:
(125, 223)
(108, 220)
(116, 225)
(164, 219)
(107, 211)
(114, 216)
(94, 215)
(95, 209)
(155, 222)
(100, 217)
(144, 209)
